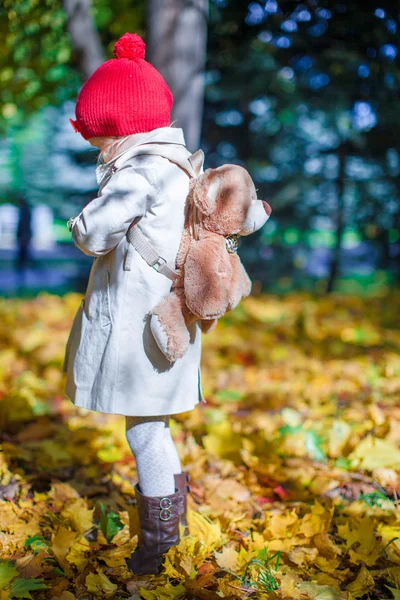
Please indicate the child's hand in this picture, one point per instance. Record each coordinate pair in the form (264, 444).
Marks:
(71, 222)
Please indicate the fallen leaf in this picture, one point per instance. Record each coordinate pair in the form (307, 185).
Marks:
(8, 571)
(363, 583)
(21, 588)
(99, 584)
(373, 453)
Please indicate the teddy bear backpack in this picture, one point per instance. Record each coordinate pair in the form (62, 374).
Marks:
(208, 278)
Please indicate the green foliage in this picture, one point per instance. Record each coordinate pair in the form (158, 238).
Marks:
(314, 445)
(110, 523)
(228, 395)
(21, 588)
(373, 498)
(8, 571)
(265, 572)
(38, 66)
(35, 67)
(36, 542)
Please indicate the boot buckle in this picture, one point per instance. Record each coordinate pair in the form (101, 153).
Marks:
(165, 512)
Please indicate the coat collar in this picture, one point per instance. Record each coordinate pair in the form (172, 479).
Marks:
(161, 135)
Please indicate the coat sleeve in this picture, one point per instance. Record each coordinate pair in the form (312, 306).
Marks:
(105, 220)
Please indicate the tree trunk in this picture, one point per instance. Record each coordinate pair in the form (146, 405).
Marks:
(85, 39)
(339, 220)
(176, 46)
(384, 243)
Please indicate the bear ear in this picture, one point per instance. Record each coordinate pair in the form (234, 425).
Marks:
(197, 160)
(205, 192)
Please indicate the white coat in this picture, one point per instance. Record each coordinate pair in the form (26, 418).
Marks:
(112, 361)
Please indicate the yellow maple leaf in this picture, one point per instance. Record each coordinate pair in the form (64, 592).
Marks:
(230, 589)
(289, 587)
(99, 584)
(360, 531)
(373, 453)
(326, 545)
(164, 592)
(186, 564)
(184, 558)
(280, 524)
(78, 551)
(339, 435)
(389, 534)
(78, 515)
(303, 555)
(361, 534)
(285, 545)
(228, 559)
(222, 441)
(320, 592)
(115, 557)
(333, 580)
(205, 530)
(363, 583)
(110, 454)
(317, 521)
(61, 543)
(327, 565)
(231, 488)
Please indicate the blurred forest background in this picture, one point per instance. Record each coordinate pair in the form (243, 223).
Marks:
(304, 94)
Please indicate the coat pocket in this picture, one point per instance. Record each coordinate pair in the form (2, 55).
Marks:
(71, 343)
(89, 357)
(95, 333)
(105, 303)
(98, 304)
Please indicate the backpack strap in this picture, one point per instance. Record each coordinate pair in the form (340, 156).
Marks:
(193, 166)
(149, 253)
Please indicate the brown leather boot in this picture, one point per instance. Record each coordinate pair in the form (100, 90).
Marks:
(159, 530)
(182, 483)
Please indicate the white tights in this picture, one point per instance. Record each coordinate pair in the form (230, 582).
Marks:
(155, 453)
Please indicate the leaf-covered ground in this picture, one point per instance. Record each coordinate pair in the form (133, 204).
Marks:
(294, 460)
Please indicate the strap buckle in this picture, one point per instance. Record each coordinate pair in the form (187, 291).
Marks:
(159, 263)
(165, 509)
(232, 243)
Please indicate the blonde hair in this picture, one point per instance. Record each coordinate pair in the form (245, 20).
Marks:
(108, 145)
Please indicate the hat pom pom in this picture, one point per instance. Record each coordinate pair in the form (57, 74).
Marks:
(131, 46)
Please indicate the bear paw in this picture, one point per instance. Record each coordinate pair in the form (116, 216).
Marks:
(159, 334)
(174, 344)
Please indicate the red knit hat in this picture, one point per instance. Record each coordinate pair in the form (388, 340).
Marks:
(124, 95)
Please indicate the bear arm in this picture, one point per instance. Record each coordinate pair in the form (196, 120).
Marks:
(241, 282)
(207, 278)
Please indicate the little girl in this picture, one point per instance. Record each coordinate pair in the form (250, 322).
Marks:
(112, 361)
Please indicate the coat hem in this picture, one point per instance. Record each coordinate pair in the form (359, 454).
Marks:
(89, 406)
